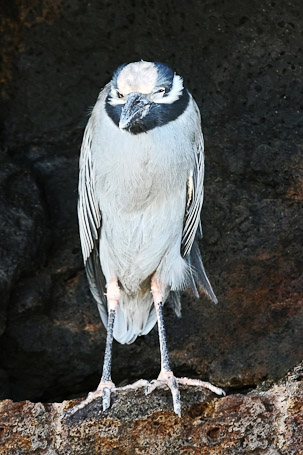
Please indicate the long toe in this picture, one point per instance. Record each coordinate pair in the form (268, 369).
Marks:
(203, 384)
(106, 397)
(173, 385)
(141, 383)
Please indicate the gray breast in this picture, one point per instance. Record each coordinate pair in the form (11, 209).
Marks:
(141, 189)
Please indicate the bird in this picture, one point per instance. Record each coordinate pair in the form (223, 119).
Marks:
(141, 172)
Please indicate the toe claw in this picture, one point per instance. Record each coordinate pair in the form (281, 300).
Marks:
(220, 392)
(177, 409)
(70, 412)
(151, 386)
(147, 389)
(65, 415)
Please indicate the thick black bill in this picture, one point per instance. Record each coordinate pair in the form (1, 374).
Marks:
(135, 109)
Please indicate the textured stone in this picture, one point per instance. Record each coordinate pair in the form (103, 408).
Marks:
(267, 421)
(23, 234)
(243, 63)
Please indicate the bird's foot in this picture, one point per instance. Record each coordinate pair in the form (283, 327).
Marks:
(104, 390)
(167, 378)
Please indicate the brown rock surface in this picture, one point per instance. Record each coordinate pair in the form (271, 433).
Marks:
(265, 421)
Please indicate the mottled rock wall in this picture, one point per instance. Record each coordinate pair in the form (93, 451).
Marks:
(263, 422)
(243, 63)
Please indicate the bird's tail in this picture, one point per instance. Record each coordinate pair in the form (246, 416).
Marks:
(199, 283)
(135, 316)
(136, 313)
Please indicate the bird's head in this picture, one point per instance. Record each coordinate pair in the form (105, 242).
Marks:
(145, 95)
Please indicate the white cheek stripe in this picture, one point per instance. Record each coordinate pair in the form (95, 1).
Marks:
(175, 92)
(115, 102)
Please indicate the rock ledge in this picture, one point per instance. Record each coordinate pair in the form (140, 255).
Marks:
(264, 421)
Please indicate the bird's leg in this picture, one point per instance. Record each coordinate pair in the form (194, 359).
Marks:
(166, 375)
(106, 385)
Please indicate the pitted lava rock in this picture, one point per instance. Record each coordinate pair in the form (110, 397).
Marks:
(268, 420)
(242, 61)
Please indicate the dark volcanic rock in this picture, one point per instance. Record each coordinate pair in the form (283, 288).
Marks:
(23, 241)
(23, 234)
(243, 63)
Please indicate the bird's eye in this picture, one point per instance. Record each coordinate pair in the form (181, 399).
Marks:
(119, 95)
(161, 90)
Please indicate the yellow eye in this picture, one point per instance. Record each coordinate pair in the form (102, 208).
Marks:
(119, 95)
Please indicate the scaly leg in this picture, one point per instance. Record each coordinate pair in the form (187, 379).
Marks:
(166, 376)
(106, 385)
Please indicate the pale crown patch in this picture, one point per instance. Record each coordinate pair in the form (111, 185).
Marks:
(138, 77)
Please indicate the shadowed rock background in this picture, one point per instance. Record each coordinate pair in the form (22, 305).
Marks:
(242, 61)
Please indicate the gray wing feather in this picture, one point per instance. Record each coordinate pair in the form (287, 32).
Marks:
(88, 211)
(199, 282)
(89, 216)
(192, 228)
(192, 222)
